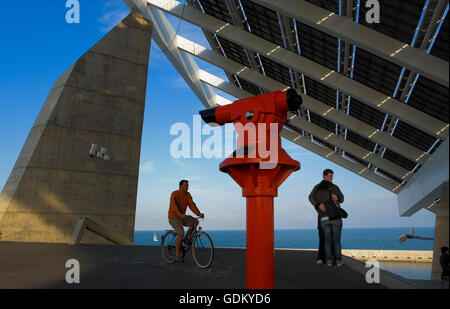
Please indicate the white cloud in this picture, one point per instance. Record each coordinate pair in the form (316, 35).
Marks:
(180, 163)
(147, 167)
(112, 13)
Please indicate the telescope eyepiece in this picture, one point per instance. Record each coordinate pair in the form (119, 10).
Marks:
(293, 100)
(209, 115)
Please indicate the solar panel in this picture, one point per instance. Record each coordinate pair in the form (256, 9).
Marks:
(294, 128)
(430, 98)
(413, 136)
(248, 86)
(329, 5)
(318, 46)
(276, 71)
(366, 113)
(322, 122)
(322, 142)
(320, 92)
(389, 175)
(399, 160)
(234, 51)
(218, 9)
(359, 140)
(398, 18)
(362, 162)
(263, 22)
(376, 72)
(440, 47)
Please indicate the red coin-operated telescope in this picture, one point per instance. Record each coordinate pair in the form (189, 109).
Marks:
(259, 165)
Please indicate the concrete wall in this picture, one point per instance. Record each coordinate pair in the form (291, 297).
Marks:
(99, 99)
(415, 256)
(441, 231)
(426, 185)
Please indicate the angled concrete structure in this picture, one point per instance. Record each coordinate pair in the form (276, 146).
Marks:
(100, 99)
(428, 189)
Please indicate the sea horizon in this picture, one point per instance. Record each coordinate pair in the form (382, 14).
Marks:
(281, 229)
(385, 238)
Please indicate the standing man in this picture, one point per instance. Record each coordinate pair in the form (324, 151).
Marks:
(320, 194)
(179, 200)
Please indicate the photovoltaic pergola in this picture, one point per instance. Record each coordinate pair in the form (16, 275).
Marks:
(375, 95)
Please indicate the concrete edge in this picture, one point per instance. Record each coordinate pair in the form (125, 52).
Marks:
(387, 279)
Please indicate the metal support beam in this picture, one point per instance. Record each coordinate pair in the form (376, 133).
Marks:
(165, 37)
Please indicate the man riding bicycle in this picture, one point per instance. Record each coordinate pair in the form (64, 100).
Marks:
(179, 200)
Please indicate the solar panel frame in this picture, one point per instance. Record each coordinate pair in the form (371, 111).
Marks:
(438, 144)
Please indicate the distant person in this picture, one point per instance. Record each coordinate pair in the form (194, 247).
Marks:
(329, 230)
(179, 200)
(444, 261)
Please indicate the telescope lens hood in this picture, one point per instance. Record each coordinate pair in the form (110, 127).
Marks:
(209, 115)
(293, 100)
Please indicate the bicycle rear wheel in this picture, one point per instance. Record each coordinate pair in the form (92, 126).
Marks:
(168, 246)
(203, 250)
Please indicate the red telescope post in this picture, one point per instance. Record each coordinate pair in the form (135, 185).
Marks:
(259, 165)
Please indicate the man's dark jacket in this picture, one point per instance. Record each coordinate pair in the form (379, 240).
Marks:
(322, 193)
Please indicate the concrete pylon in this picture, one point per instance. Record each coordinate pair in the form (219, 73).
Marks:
(100, 99)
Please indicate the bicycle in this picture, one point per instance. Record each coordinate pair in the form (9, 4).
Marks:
(201, 243)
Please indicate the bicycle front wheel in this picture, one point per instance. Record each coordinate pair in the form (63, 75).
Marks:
(203, 250)
(168, 246)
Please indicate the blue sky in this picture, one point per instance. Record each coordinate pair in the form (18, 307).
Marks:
(38, 46)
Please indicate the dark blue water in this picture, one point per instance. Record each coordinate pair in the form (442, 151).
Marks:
(352, 238)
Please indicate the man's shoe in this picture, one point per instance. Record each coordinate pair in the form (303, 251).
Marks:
(319, 261)
(329, 263)
(339, 263)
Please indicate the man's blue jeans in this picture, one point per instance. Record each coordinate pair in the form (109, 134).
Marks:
(332, 239)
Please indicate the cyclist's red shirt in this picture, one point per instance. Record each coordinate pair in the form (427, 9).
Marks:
(179, 200)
